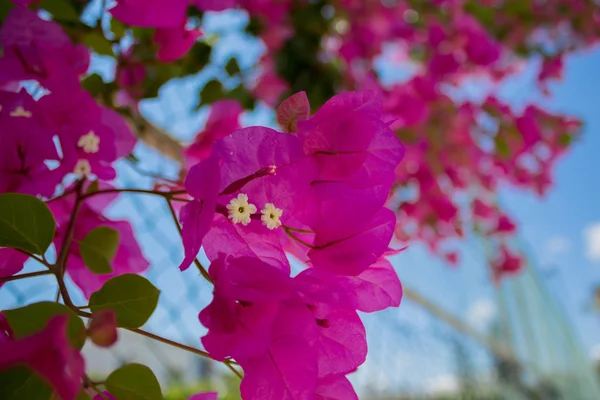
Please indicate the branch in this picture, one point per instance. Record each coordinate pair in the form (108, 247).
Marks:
(202, 353)
(139, 191)
(157, 138)
(24, 276)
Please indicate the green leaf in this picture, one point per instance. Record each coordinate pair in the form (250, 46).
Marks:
(132, 297)
(97, 42)
(20, 382)
(117, 28)
(5, 7)
(134, 382)
(60, 9)
(98, 249)
(232, 67)
(211, 92)
(93, 84)
(26, 223)
(33, 318)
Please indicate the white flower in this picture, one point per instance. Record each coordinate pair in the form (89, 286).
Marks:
(20, 112)
(82, 168)
(240, 210)
(89, 142)
(270, 216)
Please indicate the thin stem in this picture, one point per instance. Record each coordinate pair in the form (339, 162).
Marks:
(36, 258)
(61, 260)
(169, 342)
(149, 174)
(140, 191)
(24, 276)
(198, 264)
(161, 339)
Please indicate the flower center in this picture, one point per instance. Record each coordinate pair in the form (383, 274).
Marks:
(240, 210)
(270, 216)
(20, 112)
(89, 142)
(82, 168)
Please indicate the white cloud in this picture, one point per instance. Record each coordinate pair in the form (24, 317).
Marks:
(443, 384)
(558, 245)
(591, 237)
(481, 313)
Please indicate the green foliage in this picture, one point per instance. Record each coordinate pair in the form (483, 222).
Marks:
(211, 92)
(97, 42)
(62, 10)
(98, 249)
(26, 223)
(228, 390)
(93, 84)
(21, 382)
(298, 61)
(117, 28)
(134, 382)
(5, 7)
(132, 297)
(232, 67)
(33, 318)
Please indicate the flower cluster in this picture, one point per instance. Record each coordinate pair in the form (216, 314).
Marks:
(62, 135)
(317, 193)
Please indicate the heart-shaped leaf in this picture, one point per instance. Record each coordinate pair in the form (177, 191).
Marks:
(98, 249)
(132, 297)
(26, 223)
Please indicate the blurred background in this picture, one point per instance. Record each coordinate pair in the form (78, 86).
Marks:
(457, 334)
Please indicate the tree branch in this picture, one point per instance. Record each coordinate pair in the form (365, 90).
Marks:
(24, 276)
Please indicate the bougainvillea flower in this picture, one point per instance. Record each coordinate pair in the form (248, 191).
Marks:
(197, 216)
(37, 49)
(26, 146)
(91, 137)
(288, 369)
(246, 300)
(353, 252)
(374, 289)
(257, 167)
(204, 396)
(174, 43)
(341, 341)
(350, 143)
(49, 354)
(335, 387)
(150, 13)
(11, 262)
(128, 258)
(214, 5)
(254, 240)
(223, 119)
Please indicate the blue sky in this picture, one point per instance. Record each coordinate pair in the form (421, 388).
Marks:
(409, 349)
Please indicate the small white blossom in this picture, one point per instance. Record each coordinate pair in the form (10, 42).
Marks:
(240, 210)
(82, 168)
(270, 216)
(89, 142)
(20, 112)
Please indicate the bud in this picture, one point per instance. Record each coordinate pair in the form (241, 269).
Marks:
(102, 328)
